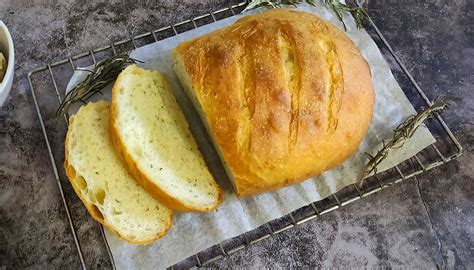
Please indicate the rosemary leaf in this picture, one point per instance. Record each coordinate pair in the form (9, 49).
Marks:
(359, 14)
(401, 135)
(102, 74)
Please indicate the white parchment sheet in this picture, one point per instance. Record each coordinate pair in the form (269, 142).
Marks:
(193, 232)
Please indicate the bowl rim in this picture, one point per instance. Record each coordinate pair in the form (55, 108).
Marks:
(11, 55)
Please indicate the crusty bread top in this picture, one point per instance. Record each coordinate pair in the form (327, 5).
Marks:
(152, 136)
(103, 184)
(286, 96)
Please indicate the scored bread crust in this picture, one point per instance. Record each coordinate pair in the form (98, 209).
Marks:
(285, 94)
(142, 178)
(93, 211)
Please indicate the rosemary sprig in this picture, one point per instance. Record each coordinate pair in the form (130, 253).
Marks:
(102, 74)
(274, 3)
(359, 14)
(401, 134)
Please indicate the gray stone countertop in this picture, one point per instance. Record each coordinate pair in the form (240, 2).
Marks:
(421, 223)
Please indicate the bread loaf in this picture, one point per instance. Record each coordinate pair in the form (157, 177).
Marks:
(152, 136)
(103, 184)
(285, 96)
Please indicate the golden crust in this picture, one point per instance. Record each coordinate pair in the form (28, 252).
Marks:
(142, 178)
(286, 95)
(93, 211)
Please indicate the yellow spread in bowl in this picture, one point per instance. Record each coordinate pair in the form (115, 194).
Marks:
(3, 66)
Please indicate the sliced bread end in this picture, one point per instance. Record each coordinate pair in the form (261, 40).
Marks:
(104, 186)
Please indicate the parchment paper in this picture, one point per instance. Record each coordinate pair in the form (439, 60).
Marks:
(193, 232)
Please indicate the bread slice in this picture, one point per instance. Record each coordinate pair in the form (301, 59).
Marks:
(103, 184)
(152, 136)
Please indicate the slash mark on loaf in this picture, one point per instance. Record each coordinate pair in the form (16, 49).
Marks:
(288, 55)
(335, 84)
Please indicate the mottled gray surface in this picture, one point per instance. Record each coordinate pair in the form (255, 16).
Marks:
(421, 223)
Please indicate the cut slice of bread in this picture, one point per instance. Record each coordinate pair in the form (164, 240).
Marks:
(152, 136)
(104, 185)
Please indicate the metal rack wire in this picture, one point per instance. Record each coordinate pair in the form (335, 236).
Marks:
(44, 79)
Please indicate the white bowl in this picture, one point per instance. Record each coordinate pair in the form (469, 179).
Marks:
(6, 47)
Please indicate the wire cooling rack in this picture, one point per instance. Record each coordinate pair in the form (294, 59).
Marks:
(47, 86)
